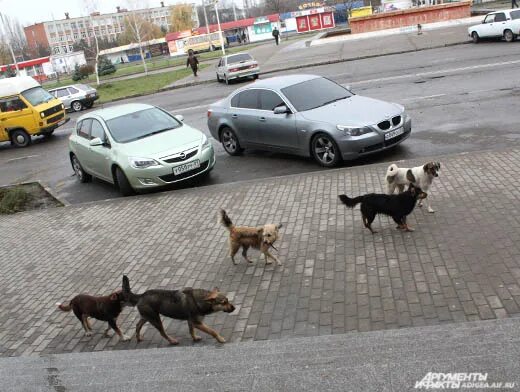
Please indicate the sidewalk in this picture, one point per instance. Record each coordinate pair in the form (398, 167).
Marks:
(305, 53)
(461, 263)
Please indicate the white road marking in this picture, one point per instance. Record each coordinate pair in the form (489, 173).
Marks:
(424, 97)
(438, 72)
(20, 158)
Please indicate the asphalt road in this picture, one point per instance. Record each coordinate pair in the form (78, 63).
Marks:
(461, 98)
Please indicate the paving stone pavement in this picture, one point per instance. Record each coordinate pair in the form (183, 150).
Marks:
(461, 264)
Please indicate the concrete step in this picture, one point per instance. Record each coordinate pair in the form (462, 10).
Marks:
(493, 345)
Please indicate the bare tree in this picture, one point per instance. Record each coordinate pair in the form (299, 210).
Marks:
(137, 24)
(92, 6)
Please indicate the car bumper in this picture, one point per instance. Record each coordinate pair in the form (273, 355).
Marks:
(371, 143)
(163, 175)
(52, 127)
(243, 74)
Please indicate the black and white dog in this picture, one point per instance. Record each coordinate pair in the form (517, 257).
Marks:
(420, 176)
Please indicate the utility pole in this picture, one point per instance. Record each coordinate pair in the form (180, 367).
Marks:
(219, 29)
(207, 24)
(234, 10)
(8, 40)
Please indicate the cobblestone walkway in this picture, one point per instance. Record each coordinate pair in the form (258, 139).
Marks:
(462, 263)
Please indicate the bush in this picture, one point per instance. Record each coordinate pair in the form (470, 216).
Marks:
(105, 66)
(76, 75)
(13, 200)
(86, 70)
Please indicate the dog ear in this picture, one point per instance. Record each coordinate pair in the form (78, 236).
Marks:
(126, 284)
(212, 294)
(279, 226)
(409, 176)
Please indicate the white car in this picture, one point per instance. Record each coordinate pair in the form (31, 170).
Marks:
(238, 65)
(498, 24)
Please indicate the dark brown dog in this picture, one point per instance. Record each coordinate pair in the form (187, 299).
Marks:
(105, 308)
(189, 304)
(261, 238)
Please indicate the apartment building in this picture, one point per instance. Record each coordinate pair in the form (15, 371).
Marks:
(60, 35)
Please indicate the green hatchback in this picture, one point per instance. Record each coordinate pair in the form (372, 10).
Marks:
(138, 146)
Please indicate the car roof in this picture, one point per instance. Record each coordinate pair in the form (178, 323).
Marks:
(117, 111)
(234, 54)
(16, 85)
(279, 82)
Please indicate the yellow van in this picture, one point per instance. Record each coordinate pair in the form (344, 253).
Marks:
(27, 109)
(203, 42)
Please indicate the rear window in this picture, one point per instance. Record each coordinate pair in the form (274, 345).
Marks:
(238, 58)
(515, 14)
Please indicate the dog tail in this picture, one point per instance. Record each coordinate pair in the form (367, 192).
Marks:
(350, 202)
(225, 220)
(391, 172)
(66, 307)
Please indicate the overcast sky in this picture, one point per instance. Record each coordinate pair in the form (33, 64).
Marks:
(34, 11)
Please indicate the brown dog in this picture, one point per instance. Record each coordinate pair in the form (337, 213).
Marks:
(261, 238)
(105, 308)
(188, 304)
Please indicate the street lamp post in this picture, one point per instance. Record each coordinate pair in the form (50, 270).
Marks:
(219, 29)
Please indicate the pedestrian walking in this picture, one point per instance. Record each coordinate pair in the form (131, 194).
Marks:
(276, 35)
(192, 62)
(514, 4)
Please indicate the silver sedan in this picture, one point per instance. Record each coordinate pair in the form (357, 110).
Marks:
(307, 115)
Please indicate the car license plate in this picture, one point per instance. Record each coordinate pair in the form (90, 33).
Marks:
(186, 167)
(394, 133)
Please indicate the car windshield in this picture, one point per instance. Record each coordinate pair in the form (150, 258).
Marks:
(515, 14)
(238, 58)
(314, 93)
(141, 124)
(37, 96)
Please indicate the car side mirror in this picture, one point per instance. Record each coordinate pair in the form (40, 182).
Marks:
(281, 110)
(96, 142)
(179, 117)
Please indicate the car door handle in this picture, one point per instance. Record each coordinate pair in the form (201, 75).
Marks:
(262, 119)
(234, 116)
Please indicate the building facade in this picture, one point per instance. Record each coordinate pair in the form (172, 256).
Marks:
(60, 35)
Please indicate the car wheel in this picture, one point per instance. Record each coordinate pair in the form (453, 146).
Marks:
(122, 182)
(509, 36)
(76, 106)
(20, 138)
(230, 142)
(325, 150)
(82, 175)
(256, 76)
(475, 37)
(218, 79)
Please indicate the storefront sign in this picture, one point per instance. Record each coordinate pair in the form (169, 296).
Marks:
(315, 21)
(263, 28)
(311, 4)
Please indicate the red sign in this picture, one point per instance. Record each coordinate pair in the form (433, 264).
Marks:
(327, 20)
(302, 24)
(314, 22)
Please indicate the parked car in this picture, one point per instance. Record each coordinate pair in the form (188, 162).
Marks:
(500, 24)
(235, 66)
(26, 110)
(138, 146)
(76, 97)
(307, 115)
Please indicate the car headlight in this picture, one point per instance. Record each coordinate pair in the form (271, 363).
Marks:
(353, 131)
(205, 143)
(42, 115)
(143, 163)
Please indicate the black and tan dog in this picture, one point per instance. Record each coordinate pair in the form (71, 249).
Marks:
(106, 308)
(261, 238)
(397, 206)
(189, 304)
